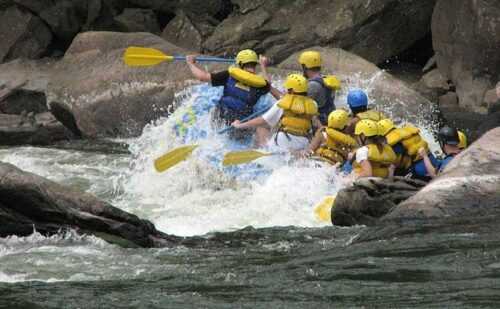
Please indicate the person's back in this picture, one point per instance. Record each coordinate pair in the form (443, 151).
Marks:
(320, 88)
(357, 100)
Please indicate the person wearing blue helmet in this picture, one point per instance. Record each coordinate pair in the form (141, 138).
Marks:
(357, 100)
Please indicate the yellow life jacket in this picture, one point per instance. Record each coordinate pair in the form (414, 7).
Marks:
(298, 111)
(247, 78)
(372, 115)
(410, 138)
(380, 161)
(331, 82)
(337, 146)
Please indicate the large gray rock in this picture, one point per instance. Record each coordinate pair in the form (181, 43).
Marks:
(369, 199)
(29, 201)
(375, 30)
(31, 129)
(138, 20)
(198, 7)
(106, 98)
(466, 37)
(183, 31)
(469, 186)
(22, 35)
(385, 92)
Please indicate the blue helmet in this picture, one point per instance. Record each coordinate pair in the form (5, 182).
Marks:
(357, 98)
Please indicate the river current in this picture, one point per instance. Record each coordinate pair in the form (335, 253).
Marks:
(253, 243)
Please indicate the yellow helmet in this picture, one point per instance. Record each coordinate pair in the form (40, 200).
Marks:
(296, 82)
(385, 126)
(367, 127)
(246, 56)
(310, 59)
(338, 119)
(462, 140)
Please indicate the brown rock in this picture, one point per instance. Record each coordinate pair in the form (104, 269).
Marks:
(469, 186)
(182, 32)
(466, 37)
(22, 35)
(375, 30)
(138, 20)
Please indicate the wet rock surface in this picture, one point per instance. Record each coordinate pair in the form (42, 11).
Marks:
(369, 199)
(28, 202)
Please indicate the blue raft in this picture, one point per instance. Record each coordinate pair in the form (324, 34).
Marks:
(193, 125)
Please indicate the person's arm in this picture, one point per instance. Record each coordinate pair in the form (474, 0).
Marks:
(366, 169)
(316, 141)
(392, 169)
(431, 170)
(198, 72)
(264, 61)
(316, 122)
(256, 122)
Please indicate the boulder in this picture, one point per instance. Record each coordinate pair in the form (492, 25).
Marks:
(369, 199)
(22, 35)
(138, 20)
(106, 98)
(466, 36)
(385, 92)
(24, 100)
(31, 129)
(197, 7)
(375, 30)
(28, 201)
(469, 187)
(183, 32)
(432, 85)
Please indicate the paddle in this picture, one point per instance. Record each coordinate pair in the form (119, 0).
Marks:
(142, 56)
(250, 117)
(323, 210)
(173, 157)
(245, 156)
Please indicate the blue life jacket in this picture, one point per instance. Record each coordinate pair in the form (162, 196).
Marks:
(419, 170)
(329, 106)
(444, 162)
(238, 100)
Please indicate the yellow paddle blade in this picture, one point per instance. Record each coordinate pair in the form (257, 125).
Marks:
(242, 157)
(173, 157)
(141, 56)
(323, 210)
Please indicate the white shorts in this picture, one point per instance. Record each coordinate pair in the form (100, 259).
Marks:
(288, 142)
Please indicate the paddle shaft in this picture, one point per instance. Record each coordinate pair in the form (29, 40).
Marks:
(206, 59)
(250, 117)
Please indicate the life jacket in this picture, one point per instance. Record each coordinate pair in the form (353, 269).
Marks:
(371, 114)
(380, 161)
(331, 84)
(298, 111)
(411, 140)
(337, 146)
(238, 95)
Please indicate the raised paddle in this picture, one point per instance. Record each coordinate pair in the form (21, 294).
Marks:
(142, 56)
(323, 210)
(245, 156)
(173, 157)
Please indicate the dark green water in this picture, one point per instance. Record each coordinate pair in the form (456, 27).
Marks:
(293, 268)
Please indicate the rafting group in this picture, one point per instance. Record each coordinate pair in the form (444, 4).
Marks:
(305, 122)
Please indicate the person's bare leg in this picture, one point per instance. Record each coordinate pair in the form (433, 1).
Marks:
(262, 135)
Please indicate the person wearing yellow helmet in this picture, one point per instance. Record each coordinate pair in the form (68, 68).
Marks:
(374, 158)
(291, 116)
(406, 142)
(332, 143)
(242, 86)
(321, 88)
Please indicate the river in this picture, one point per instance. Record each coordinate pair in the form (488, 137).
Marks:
(253, 243)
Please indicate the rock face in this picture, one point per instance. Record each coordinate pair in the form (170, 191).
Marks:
(22, 35)
(369, 199)
(106, 98)
(466, 37)
(185, 32)
(138, 20)
(384, 91)
(374, 30)
(31, 129)
(469, 186)
(29, 201)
